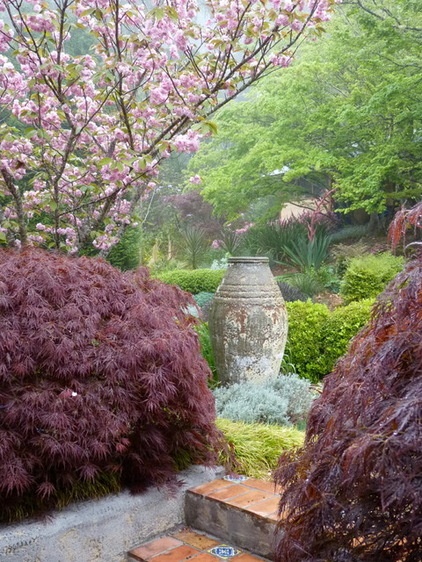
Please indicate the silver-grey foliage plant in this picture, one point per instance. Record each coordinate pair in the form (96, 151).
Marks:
(285, 400)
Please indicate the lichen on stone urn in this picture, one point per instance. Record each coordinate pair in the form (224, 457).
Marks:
(248, 322)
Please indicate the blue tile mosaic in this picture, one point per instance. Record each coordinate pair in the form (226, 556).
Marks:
(224, 551)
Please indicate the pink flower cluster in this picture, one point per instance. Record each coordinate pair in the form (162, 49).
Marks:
(93, 128)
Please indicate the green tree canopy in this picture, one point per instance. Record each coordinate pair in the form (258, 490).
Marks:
(348, 112)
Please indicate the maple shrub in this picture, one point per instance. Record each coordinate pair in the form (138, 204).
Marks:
(354, 492)
(100, 374)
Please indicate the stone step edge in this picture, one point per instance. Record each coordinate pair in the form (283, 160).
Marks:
(249, 531)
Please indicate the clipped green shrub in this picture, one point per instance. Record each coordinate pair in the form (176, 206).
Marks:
(317, 338)
(340, 328)
(303, 347)
(367, 276)
(194, 281)
(253, 449)
(283, 401)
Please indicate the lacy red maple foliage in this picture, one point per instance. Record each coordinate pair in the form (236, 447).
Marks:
(100, 371)
(354, 492)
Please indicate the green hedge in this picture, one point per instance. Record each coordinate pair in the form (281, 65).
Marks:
(318, 337)
(368, 275)
(306, 322)
(194, 281)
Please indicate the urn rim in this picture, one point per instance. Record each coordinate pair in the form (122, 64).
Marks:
(248, 259)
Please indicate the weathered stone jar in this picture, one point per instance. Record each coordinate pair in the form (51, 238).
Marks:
(248, 322)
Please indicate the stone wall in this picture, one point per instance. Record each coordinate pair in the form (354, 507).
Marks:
(101, 530)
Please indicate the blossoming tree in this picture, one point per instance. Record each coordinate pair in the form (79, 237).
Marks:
(81, 136)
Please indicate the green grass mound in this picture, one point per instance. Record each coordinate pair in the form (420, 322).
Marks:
(254, 448)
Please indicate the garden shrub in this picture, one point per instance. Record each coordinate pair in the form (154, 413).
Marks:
(203, 298)
(270, 239)
(283, 401)
(194, 281)
(254, 448)
(354, 491)
(367, 276)
(318, 337)
(341, 327)
(100, 377)
(303, 347)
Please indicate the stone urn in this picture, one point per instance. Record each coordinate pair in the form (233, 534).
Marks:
(248, 322)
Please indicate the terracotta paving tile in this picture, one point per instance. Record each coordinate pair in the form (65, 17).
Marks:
(266, 508)
(246, 557)
(204, 557)
(233, 491)
(157, 546)
(184, 552)
(261, 485)
(205, 489)
(250, 497)
(195, 539)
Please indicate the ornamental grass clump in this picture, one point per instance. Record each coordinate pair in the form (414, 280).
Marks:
(354, 492)
(253, 448)
(101, 379)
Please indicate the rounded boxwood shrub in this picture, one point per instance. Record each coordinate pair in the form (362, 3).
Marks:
(367, 276)
(303, 347)
(354, 492)
(342, 325)
(100, 373)
(194, 281)
(318, 337)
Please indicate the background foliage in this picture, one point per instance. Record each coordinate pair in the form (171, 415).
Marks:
(346, 114)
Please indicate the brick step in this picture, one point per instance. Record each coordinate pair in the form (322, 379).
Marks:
(241, 513)
(189, 545)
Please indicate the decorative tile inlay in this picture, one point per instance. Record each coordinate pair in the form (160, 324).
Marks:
(224, 551)
(235, 478)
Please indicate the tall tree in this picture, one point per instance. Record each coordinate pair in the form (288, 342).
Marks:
(348, 111)
(81, 135)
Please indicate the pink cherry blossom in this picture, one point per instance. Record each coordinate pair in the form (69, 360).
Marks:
(93, 128)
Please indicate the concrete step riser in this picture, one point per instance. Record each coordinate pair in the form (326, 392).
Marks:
(233, 525)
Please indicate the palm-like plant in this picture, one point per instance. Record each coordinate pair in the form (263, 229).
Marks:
(195, 245)
(305, 253)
